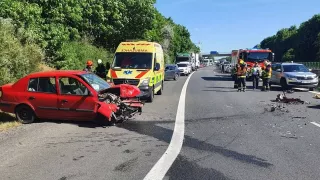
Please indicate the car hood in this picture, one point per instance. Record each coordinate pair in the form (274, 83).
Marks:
(123, 90)
(182, 67)
(299, 73)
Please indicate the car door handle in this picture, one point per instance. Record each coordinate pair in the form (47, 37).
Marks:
(64, 101)
(32, 98)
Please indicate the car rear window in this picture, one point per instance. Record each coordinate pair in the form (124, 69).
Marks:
(42, 84)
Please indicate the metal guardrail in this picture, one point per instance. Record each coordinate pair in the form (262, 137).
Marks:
(311, 65)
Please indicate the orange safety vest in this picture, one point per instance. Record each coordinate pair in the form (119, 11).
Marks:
(242, 71)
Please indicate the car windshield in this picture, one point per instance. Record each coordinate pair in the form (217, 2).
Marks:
(257, 56)
(95, 81)
(170, 68)
(181, 59)
(133, 60)
(295, 68)
(182, 65)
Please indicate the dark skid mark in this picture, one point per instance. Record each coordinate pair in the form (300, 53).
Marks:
(188, 170)
(128, 151)
(63, 178)
(77, 158)
(126, 166)
(152, 130)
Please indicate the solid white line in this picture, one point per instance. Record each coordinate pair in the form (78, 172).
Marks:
(314, 123)
(160, 169)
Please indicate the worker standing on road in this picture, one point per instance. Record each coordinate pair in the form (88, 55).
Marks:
(256, 73)
(266, 75)
(242, 73)
(222, 68)
(101, 69)
(235, 78)
(88, 68)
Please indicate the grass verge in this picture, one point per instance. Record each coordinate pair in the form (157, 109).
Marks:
(8, 121)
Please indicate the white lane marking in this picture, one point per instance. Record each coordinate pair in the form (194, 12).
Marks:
(160, 169)
(316, 124)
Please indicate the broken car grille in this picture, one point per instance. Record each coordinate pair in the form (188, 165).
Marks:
(134, 82)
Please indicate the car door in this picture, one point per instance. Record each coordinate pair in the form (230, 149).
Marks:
(75, 101)
(168, 72)
(277, 73)
(176, 70)
(42, 96)
(172, 71)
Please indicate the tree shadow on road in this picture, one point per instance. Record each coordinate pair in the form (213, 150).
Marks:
(163, 134)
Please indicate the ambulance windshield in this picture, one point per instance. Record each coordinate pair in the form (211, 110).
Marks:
(128, 60)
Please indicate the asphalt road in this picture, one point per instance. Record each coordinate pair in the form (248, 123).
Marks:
(228, 135)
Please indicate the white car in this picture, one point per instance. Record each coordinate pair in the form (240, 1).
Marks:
(290, 75)
(184, 68)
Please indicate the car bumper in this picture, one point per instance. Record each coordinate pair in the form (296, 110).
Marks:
(7, 107)
(303, 83)
(145, 91)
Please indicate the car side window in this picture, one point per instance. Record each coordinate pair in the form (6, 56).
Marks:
(42, 84)
(71, 86)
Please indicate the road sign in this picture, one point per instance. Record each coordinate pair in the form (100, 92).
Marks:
(214, 52)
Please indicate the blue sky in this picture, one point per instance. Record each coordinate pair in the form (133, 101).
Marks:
(224, 25)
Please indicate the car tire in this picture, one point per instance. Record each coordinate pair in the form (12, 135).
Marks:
(311, 89)
(161, 89)
(284, 85)
(103, 121)
(25, 114)
(151, 97)
(175, 77)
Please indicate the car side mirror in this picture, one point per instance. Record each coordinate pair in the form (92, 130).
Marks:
(310, 70)
(157, 67)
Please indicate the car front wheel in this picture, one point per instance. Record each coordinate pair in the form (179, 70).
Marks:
(25, 114)
(284, 85)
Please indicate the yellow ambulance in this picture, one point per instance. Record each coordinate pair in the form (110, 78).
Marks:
(139, 63)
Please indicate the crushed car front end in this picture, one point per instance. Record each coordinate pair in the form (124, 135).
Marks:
(121, 100)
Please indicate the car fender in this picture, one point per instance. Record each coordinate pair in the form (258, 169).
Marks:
(107, 109)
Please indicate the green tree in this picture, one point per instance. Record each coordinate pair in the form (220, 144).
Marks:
(296, 43)
(16, 59)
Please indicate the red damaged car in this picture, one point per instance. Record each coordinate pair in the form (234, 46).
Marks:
(69, 95)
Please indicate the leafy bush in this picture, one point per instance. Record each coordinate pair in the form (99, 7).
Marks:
(16, 59)
(74, 55)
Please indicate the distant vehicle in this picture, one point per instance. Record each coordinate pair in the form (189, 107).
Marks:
(185, 68)
(69, 95)
(139, 63)
(186, 57)
(172, 72)
(197, 61)
(290, 75)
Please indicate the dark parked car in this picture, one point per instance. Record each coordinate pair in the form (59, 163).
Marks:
(171, 72)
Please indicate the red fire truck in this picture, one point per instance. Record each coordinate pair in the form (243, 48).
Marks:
(250, 56)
